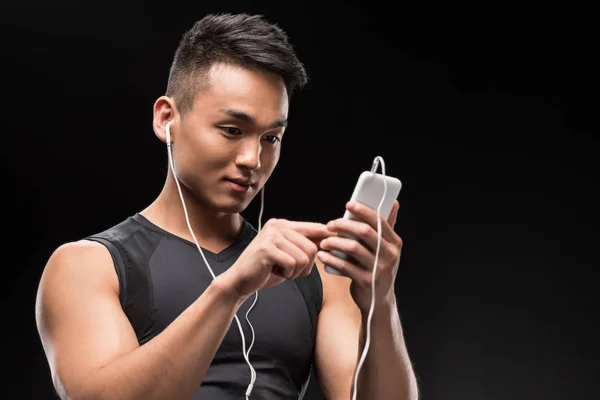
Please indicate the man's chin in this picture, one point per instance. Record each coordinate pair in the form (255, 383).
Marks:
(233, 206)
(232, 209)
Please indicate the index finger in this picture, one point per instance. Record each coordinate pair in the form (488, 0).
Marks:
(312, 230)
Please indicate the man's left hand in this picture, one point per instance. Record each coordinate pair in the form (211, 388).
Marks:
(361, 254)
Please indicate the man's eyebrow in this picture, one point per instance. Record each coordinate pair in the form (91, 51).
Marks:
(250, 119)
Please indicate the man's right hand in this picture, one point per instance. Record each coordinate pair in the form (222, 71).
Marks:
(282, 250)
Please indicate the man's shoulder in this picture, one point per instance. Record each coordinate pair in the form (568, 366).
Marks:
(75, 251)
(87, 253)
(78, 264)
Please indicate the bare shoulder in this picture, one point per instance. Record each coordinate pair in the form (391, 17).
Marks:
(82, 262)
(73, 270)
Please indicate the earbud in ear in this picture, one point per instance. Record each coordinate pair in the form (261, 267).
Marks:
(168, 129)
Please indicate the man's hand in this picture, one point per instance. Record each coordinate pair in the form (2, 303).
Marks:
(361, 253)
(282, 250)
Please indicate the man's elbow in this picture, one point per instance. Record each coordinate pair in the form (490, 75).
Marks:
(87, 389)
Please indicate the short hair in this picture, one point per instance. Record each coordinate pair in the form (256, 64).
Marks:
(239, 39)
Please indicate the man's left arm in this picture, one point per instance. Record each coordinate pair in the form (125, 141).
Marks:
(386, 372)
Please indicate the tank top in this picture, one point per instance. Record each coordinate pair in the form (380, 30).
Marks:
(161, 274)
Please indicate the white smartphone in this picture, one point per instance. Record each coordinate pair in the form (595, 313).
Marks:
(368, 191)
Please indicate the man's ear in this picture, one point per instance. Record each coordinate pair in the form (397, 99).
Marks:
(165, 111)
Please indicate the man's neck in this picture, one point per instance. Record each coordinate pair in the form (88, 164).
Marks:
(214, 231)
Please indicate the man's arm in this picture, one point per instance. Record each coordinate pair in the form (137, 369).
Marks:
(387, 371)
(91, 347)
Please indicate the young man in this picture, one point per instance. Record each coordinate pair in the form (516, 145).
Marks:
(135, 313)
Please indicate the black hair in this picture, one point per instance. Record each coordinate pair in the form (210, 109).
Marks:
(239, 39)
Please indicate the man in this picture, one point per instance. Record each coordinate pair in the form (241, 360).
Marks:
(133, 313)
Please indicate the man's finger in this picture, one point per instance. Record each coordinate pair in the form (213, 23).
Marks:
(312, 230)
(394, 214)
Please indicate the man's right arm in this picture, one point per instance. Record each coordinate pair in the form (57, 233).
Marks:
(91, 347)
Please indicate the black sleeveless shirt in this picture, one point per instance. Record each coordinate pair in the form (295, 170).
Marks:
(161, 274)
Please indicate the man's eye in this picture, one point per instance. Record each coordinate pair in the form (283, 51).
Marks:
(231, 130)
(272, 139)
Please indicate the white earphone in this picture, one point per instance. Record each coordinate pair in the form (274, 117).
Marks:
(246, 353)
(376, 163)
(168, 130)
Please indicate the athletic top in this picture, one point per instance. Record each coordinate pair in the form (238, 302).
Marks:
(161, 274)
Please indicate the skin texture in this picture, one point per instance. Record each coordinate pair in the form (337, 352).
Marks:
(91, 347)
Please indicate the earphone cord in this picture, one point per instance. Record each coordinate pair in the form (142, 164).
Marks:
(245, 352)
(368, 339)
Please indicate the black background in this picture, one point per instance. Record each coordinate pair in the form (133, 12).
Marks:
(487, 113)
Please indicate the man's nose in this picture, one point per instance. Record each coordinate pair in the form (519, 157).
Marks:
(249, 154)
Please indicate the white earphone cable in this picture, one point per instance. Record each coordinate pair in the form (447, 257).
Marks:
(368, 338)
(245, 352)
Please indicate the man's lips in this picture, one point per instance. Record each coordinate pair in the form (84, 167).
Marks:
(242, 181)
(240, 186)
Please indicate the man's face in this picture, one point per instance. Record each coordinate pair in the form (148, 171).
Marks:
(232, 132)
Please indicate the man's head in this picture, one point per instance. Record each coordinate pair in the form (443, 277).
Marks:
(228, 97)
